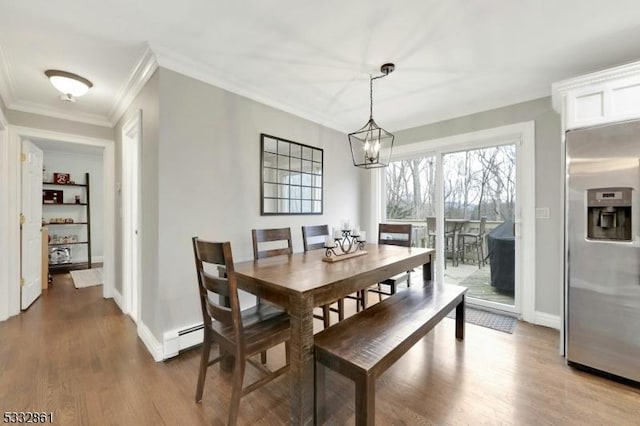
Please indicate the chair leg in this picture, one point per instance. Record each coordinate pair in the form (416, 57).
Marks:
(326, 316)
(204, 364)
(361, 302)
(379, 292)
(287, 352)
(340, 309)
(236, 394)
(263, 357)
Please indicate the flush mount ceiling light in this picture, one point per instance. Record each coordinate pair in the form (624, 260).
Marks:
(371, 145)
(69, 84)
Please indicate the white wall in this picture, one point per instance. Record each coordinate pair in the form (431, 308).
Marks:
(209, 182)
(77, 165)
(549, 233)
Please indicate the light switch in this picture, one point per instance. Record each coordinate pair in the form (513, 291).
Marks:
(542, 213)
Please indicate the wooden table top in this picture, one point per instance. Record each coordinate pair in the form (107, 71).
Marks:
(306, 272)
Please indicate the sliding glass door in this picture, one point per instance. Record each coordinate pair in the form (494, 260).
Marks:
(479, 192)
(463, 201)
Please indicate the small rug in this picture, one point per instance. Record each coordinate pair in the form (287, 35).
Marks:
(487, 319)
(86, 277)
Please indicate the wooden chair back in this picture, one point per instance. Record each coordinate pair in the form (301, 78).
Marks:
(260, 236)
(395, 234)
(483, 226)
(314, 231)
(210, 284)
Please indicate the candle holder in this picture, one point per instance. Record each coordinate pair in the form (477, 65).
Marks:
(348, 244)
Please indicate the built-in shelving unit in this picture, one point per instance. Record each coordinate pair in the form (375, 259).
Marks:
(61, 255)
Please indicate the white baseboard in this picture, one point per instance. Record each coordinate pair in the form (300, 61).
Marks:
(177, 340)
(547, 320)
(117, 297)
(153, 345)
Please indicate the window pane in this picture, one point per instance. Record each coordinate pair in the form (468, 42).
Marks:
(306, 193)
(411, 189)
(306, 179)
(283, 162)
(270, 190)
(270, 175)
(283, 148)
(296, 164)
(270, 145)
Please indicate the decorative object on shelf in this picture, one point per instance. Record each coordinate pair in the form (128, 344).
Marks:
(344, 243)
(50, 196)
(61, 178)
(69, 84)
(59, 255)
(371, 145)
(290, 178)
(77, 199)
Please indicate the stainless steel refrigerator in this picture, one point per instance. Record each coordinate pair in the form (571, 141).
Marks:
(603, 248)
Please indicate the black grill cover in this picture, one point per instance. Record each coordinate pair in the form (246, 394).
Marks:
(502, 256)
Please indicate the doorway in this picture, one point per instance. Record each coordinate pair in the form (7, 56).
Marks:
(456, 191)
(10, 287)
(479, 210)
(131, 132)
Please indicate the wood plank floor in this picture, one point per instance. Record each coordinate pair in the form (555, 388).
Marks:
(74, 354)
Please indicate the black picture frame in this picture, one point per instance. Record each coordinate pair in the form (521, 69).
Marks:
(291, 177)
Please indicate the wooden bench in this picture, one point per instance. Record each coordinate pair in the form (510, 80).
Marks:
(365, 345)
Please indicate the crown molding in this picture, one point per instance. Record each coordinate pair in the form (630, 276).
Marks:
(173, 61)
(7, 83)
(623, 71)
(138, 77)
(82, 117)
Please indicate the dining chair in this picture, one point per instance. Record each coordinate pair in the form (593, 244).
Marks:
(313, 238)
(240, 334)
(474, 241)
(453, 227)
(269, 243)
(431, 232)
(397, 235)
(265, 242)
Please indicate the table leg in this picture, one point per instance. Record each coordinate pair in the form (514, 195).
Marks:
(427, 270)
(301, 369)
(460, 320)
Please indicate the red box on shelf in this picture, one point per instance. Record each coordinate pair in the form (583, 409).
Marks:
(61, 178)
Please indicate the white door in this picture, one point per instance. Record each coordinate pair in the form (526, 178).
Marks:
(31, 256)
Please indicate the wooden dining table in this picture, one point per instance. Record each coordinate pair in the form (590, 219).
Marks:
(302, 281)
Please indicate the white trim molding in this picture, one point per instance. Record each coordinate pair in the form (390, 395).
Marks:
(523, 135)
(9, 162)
(138, 77)
(49, 111)
(598, 98)
(5, 246)
(140, 74)
(547, 320)
(7, 83)
(209, 74)
(153, 345)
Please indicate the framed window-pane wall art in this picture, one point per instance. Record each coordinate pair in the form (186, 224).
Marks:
(291, 177)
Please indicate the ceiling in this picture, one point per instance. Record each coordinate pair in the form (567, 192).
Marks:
(313, 59)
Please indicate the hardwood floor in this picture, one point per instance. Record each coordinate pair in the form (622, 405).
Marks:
(74, 354)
